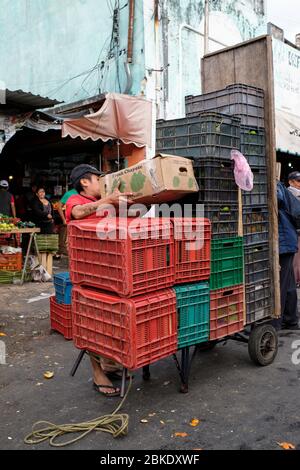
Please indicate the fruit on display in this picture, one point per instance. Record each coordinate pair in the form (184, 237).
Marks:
(7, 227)
(12, 223)
(7, 223)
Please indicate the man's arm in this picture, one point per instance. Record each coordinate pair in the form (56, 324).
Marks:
(61, 212)
(13, 209)
(84, 210)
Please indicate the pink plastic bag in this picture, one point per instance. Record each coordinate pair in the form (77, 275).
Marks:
(242, 171)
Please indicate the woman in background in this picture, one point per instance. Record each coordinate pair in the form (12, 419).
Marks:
(42, 212)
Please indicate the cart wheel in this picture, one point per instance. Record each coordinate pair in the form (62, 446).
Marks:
(207, 346)
(263, 345)
(184, 388)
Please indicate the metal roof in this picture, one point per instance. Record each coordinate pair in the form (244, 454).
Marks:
(19, 100)
(79, 108)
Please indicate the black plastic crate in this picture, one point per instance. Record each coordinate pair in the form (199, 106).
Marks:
(259, 194)
(244, 101)
(253, 145)
(257, 263)
(205, 135)
(224, 220)
(216, 181)
(258, 301)
(255, 224)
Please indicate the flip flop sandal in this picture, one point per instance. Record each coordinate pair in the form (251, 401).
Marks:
(111, 387)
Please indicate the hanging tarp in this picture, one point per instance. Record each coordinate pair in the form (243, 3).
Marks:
(9, 125)
(287, 96)
(287, 132)
(123, 117)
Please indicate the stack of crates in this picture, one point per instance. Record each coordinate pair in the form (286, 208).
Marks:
(227, 287)
(60, 305)
(256, 227)
(192, 260)
(123, 305)
(247, 103)
(243, 101)
(208, 139)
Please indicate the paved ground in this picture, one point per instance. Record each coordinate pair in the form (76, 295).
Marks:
(239, 405)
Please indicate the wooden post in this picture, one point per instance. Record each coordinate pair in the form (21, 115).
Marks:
(47, 262)
(44, 260)
(241, 234)
(272, 184)
(278, 171)
(50, 263)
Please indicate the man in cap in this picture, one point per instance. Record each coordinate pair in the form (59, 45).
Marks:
(7, 202)
(288, 246)
(84, 205)
(294, 183)
(294, 188)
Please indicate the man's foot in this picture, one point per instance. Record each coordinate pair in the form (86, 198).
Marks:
(103, 385)
(107, 390)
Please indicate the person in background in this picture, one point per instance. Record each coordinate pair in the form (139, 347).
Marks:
(84, 205)
(294, 188)
(30, 196)
(42, 212)
(63, 228)
(288, 246)
(20, 203)
(7, 201)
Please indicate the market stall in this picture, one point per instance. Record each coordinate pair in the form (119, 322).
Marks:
(13, 262)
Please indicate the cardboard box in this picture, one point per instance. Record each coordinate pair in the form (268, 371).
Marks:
(160, 179)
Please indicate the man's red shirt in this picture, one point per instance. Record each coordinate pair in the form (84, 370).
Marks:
(78, 200)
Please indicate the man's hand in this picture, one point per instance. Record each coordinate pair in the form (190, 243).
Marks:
(85, 210)
(49, 216)
(116, 197)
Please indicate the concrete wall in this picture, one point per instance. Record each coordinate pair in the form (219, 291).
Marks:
(182, 26)
(46, 43)
(60, 48)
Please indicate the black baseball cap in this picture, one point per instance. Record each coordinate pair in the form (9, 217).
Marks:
(80, 170)
(294, 176)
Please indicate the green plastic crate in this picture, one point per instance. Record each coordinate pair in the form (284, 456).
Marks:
(8, 277)
(227, 263)
(192, 301)
(47, 243)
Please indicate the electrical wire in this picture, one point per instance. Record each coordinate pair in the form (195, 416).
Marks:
(101, 65)
(114, 423)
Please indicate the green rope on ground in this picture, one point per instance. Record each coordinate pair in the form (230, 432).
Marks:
(115, 424)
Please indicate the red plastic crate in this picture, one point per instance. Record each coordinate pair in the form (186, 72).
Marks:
(226, 311)
(133, 332)
(11, 262)
(192, 258)
(128, 265)
(61, 318)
